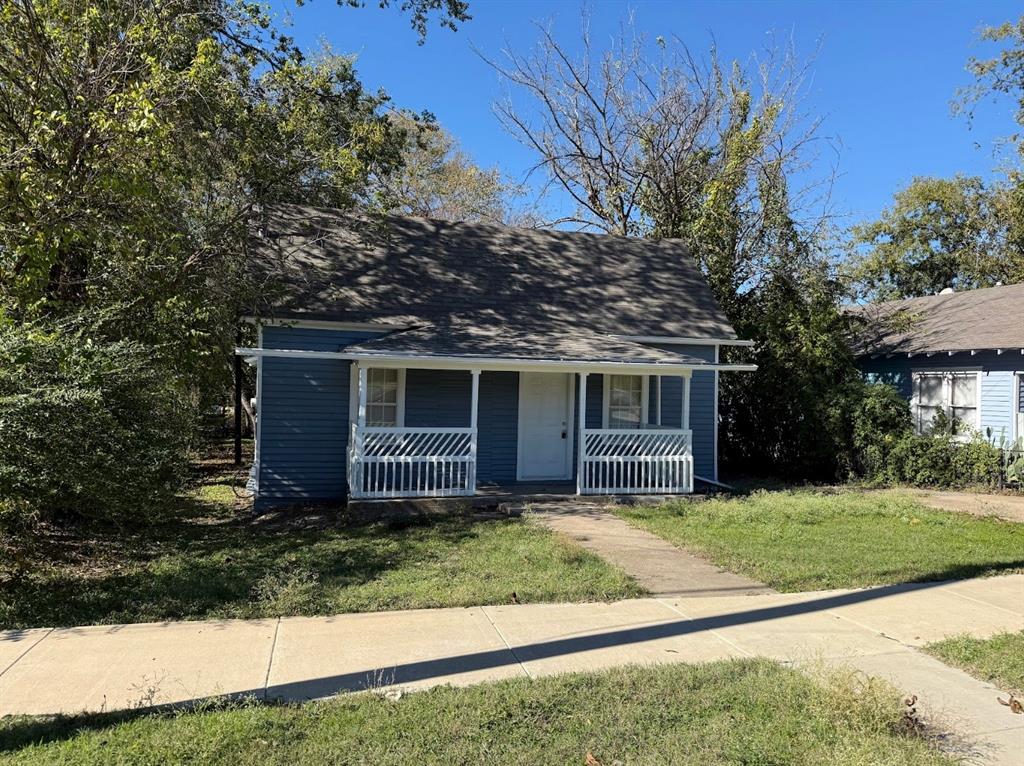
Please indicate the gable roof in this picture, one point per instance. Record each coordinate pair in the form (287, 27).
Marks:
(414, 271)
(987, 318)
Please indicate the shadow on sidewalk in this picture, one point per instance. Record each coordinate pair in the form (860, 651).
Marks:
(19, 732)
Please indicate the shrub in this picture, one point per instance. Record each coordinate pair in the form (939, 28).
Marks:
(87, 429)
(881, 418)
(887, 451)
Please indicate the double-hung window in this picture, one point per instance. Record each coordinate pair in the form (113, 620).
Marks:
(384, 397)
(953, 395)
(624, 402)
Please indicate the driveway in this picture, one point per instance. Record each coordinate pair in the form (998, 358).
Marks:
(1008, 507)
(874, 629)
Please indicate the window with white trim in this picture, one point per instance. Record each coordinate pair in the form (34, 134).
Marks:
(625, 401)
(952, 394)
(384, 396)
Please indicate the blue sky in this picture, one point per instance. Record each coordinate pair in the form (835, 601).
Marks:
(883, 77)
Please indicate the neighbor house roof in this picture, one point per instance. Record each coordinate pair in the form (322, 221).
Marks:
(516, 284)
(988, 318)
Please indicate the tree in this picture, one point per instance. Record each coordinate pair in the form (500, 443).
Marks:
(658, 143)
(938, 233)
(439, 180)
(138, 139)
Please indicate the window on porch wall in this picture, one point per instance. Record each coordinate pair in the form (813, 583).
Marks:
(382, 397)
(625, 401)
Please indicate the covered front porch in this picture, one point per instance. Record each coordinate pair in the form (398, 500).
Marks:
(635, 439)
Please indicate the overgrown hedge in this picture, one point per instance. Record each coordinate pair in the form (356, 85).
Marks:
(888, 451)
(87, 429)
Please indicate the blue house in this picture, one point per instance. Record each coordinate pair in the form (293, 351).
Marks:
(405, 357)
(960, 354)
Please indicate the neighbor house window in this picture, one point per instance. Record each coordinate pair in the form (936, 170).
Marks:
(624, 406)
(951, 395)
(384, 397)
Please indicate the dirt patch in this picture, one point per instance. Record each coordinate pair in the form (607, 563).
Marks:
(1008, 507)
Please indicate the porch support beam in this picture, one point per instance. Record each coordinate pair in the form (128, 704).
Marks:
(657, 399)
(581, 428)
(686, 403)
(473, 417)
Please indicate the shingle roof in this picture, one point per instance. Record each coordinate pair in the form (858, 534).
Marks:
(467, 340)
(416, 271)
(991, 317)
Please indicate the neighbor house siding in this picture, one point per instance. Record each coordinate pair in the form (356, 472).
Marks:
(997, 384)
(303, 416)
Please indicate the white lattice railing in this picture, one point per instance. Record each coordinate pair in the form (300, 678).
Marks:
(411, 462)
(636, 462)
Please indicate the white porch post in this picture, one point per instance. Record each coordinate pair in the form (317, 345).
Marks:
(686, 402)
(581, 447)
(657, 399)
(473, 436)
(356, 482)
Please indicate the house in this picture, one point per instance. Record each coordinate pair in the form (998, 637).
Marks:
(960, 354)
(407, 357)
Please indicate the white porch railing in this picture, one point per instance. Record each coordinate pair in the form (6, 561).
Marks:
(411, 462)
(636, 462)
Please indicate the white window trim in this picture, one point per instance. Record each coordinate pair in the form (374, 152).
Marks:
(1015, 415)
(353, 395)
(947, 396)
(645, 397)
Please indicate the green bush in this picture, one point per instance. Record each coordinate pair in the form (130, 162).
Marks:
(881, 419)
(887, 451)
(87, 429)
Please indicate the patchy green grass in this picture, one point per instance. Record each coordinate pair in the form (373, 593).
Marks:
(210, 560)
(737, 711)
(809, 540)
(999, 660)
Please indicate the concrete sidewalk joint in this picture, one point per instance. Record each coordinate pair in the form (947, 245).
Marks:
(45, 632)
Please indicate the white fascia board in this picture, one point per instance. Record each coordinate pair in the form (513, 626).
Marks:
(495, 363)
(688, 341)
(323, 324)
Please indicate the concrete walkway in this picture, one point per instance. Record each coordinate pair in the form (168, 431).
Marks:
(660, 567)
(874, 629)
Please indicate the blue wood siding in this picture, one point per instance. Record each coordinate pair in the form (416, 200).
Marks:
(997, 382)
(303, 411)
(498, 427)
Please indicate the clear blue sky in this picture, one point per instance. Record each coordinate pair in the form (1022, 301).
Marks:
(883, 78)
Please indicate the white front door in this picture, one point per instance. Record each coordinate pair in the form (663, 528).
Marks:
(545, 426)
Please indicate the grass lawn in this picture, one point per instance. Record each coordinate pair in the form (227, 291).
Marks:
(737, 712)
(809, 540)
(999, 660)
(209, 560)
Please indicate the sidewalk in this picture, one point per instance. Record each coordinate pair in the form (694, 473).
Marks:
(875, 629)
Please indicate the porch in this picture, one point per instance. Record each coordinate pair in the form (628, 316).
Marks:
(559, 449)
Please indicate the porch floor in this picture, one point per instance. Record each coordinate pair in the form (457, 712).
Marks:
(504, 497)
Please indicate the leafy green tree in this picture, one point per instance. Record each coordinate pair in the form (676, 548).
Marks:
(938, 233)
(655, 142)
(138, 138)
(437, 179)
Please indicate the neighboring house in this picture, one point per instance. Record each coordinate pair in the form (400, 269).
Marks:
(421, 358)
(961, 354)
